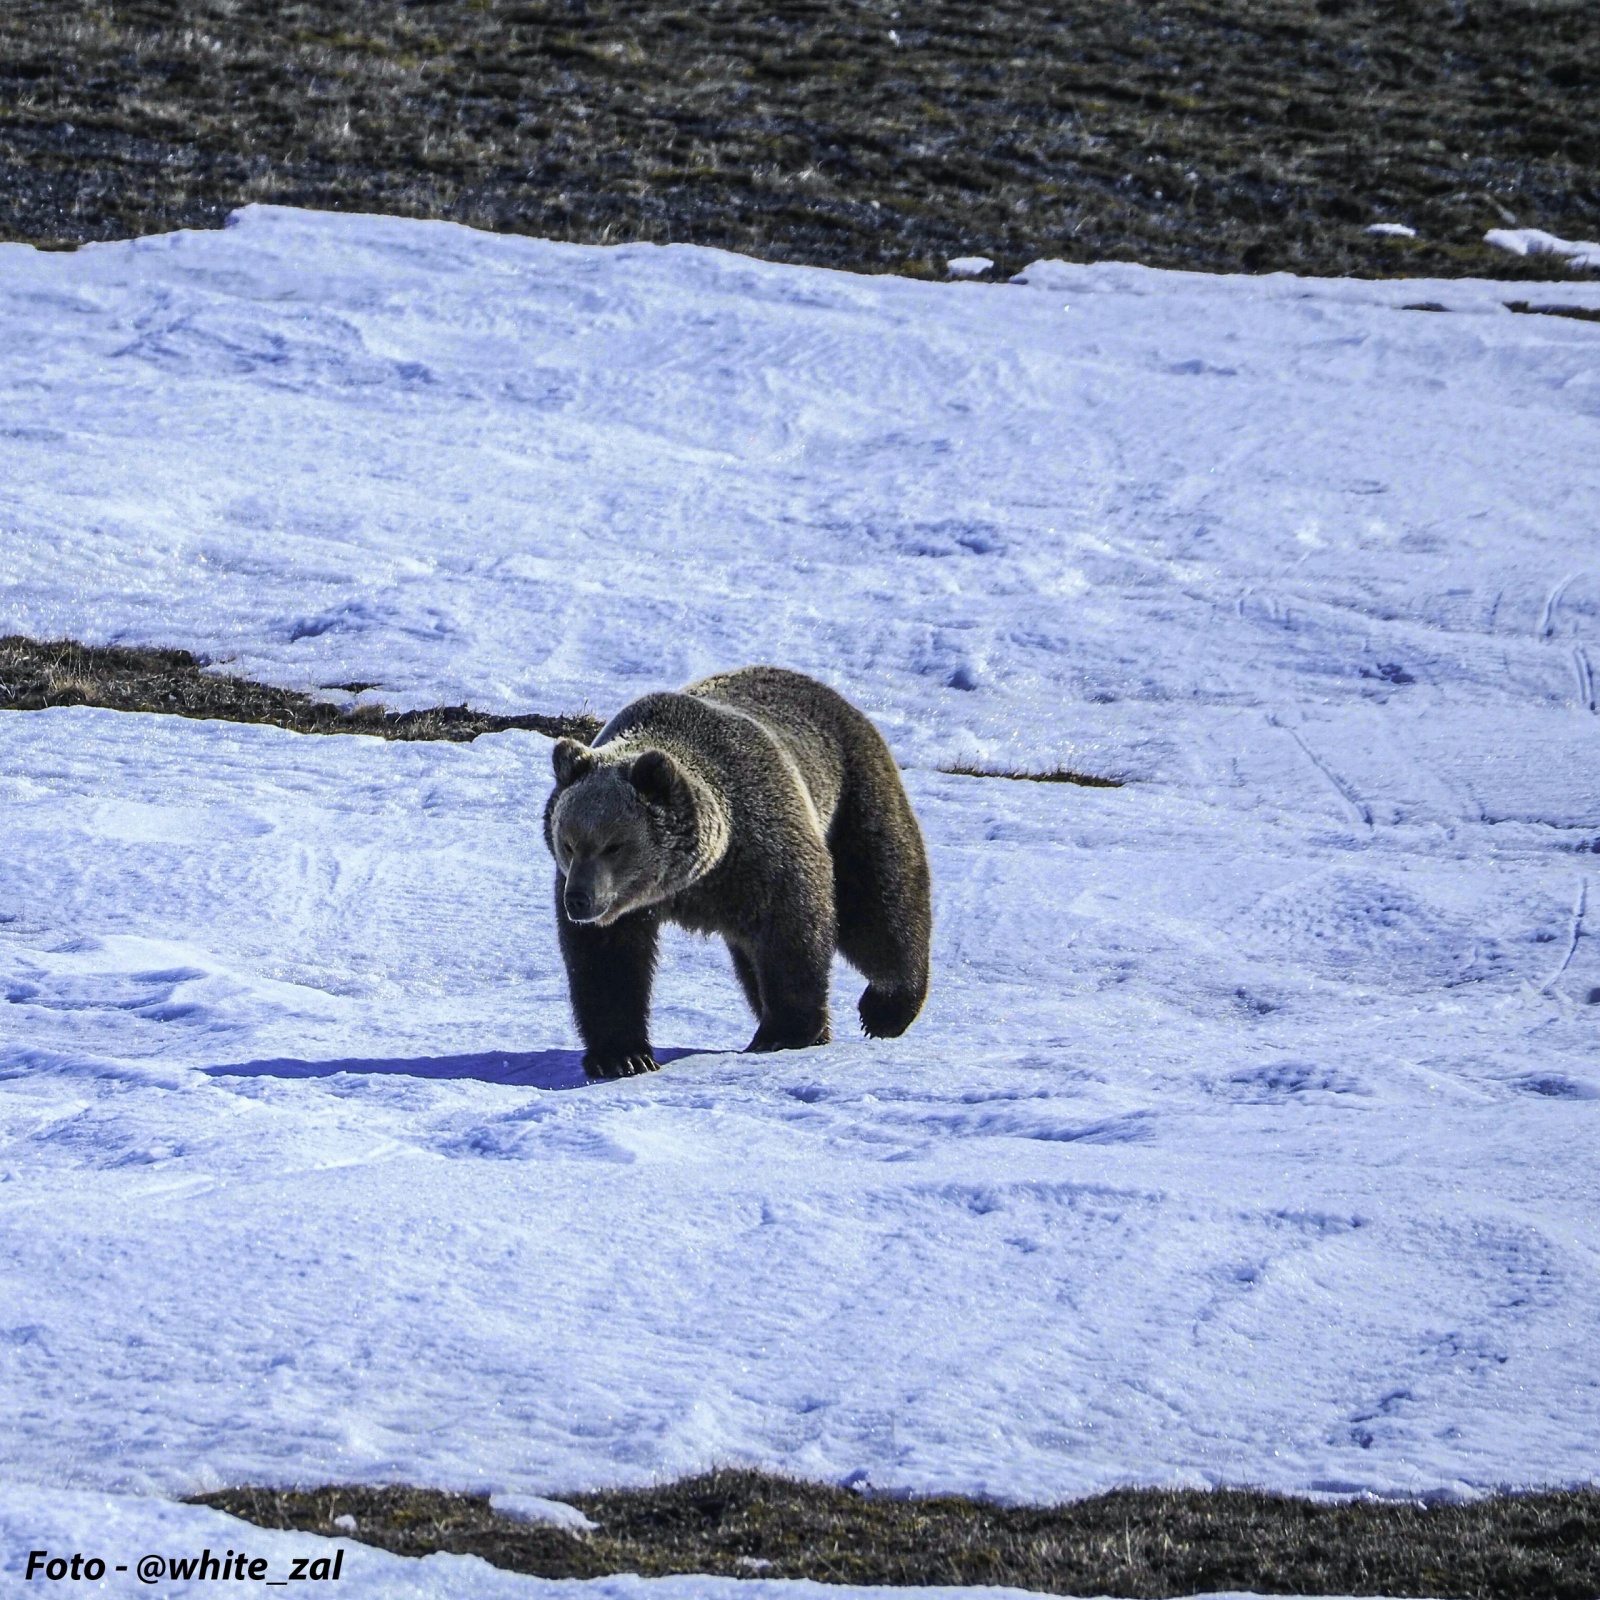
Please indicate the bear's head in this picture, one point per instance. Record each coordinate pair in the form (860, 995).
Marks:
(628, 829)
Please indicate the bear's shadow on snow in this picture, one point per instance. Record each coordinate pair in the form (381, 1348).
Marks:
(533, 1069)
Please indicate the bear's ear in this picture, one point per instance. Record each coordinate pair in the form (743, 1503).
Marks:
(655, 775)
(571, 761)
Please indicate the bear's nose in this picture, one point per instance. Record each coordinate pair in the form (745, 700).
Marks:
(579, 903)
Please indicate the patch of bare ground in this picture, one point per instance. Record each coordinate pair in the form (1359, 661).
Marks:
(1577, 313)
(867, 134)
(1084, 780)
(37, 673)
(1136, 1542)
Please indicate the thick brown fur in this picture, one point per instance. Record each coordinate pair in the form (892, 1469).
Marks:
(758, 805)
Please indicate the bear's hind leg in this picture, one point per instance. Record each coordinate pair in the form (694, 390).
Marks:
(887, 1013)
(745, 970)
(792, 984)
(610, 972)
(884, 897)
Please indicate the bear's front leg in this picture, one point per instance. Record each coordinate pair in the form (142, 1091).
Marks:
(610, 972)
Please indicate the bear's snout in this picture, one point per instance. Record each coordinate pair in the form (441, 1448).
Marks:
(588, 894)
(579, 901)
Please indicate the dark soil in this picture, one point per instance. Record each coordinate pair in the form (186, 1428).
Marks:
(1211, 134)
(60, 672)
(1084, 780)
(1580, 313)
(1132, 1542)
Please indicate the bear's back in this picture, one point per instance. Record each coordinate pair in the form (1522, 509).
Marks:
(744, 759)
(818, 729)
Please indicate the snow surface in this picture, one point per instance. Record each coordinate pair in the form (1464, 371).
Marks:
(535, 1508)
(968, 266)
(1248, 1135)
(1392, 230)
(1536, 242)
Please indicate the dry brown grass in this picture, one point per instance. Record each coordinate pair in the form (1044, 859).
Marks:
(1212, 134)
(1132, 1542)
(1084, 780)
(1577, 313)
(37, 673)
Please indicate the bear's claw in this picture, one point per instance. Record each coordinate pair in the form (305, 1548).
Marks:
(886, 1014)
(630, 1066)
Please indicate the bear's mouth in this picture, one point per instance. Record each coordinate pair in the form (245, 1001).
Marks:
(583, 907)
(595, 915)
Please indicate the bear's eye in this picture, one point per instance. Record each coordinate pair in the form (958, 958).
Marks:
(612, 849)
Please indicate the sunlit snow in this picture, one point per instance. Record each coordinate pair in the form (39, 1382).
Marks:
(1536, 242)
(1249, 1134)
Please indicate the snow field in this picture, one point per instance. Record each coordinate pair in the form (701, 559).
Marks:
(1247, 1137)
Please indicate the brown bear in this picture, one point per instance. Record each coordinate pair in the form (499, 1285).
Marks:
(758, 805)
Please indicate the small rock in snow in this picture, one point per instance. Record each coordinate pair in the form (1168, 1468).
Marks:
(1393, 230)
(534, 1508)
(969, 266)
